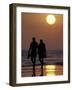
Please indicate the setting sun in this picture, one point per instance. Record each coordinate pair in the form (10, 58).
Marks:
(51, 19)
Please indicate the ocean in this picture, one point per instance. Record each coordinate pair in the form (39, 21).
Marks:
(53, 64)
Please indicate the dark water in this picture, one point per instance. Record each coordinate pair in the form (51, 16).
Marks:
(53, 64)
(50, 53)
(48, 70)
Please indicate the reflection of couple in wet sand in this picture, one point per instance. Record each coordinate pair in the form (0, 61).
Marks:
(35, 49)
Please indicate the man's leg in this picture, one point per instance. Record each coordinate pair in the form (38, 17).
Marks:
(33, 62)
(33, 65)
(41, 61)
(32, 59)
(42, 67)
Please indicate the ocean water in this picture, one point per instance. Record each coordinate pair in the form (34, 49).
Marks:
(48, 70)
(53, 57)
(53, 64)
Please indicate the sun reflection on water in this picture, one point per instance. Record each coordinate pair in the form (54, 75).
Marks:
(49, 70)
(52, 70)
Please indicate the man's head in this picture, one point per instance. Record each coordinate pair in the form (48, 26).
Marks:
(33, 39)
(41, 41)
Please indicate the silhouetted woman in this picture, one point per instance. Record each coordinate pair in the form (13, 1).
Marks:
(42, 54)
(33, 53)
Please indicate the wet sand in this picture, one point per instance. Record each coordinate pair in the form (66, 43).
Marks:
(48, 70)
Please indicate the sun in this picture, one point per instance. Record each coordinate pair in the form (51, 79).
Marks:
(51, 19)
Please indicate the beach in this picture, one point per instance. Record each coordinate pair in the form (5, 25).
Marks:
(52, 66)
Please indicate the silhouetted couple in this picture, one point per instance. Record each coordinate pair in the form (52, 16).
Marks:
(35, 49)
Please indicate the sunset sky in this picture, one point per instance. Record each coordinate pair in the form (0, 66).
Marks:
(35, 25)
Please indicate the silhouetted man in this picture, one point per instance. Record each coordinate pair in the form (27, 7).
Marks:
(42, 54)
(33, 53)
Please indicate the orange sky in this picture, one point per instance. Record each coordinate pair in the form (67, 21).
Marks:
(35, 25)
